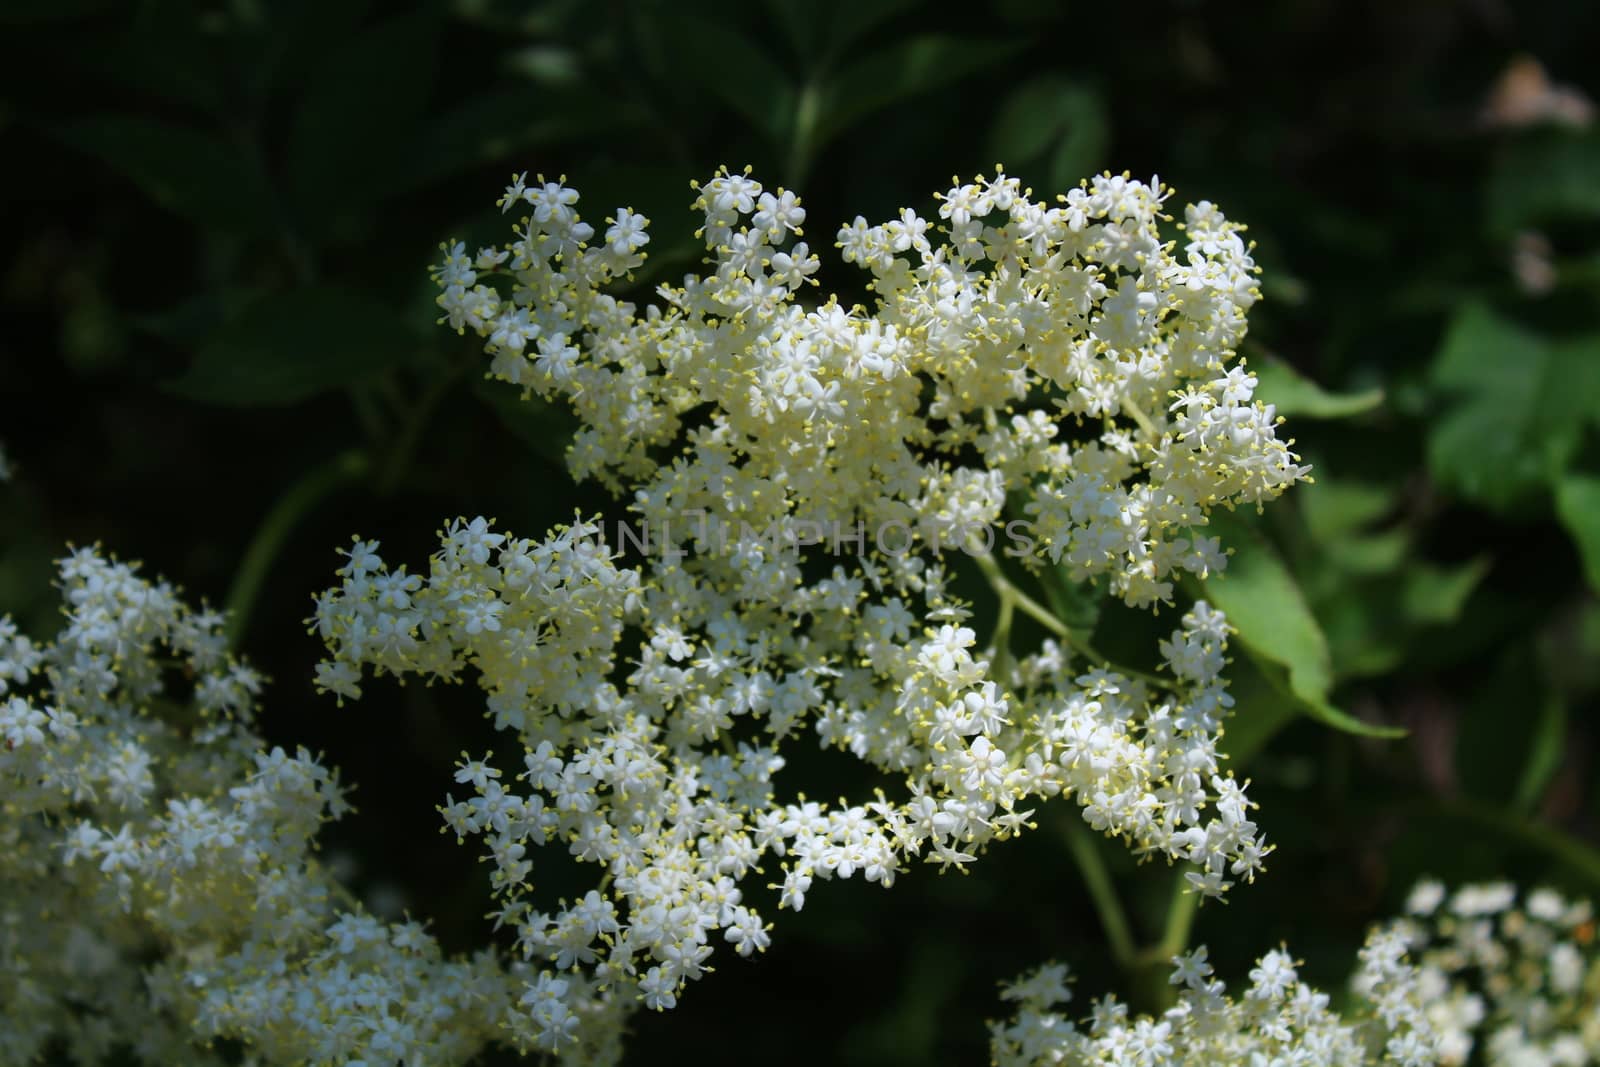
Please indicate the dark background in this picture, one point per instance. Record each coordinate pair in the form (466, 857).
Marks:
(215, 297)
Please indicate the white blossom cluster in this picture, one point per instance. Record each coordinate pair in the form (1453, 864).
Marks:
(1069, 356)
(665, 780)
(1278, 1019)
(1518, 983)
(158, 883)
(1066, 361)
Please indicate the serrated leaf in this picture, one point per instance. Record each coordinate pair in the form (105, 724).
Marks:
(1293, 394)
(1578, 507)
(192, 173)
(1274, 624)
(293, 345)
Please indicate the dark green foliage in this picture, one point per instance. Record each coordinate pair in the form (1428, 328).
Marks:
(220, 222)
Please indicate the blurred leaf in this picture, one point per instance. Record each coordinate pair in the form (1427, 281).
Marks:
(1282, 385)
(1521, 402)
(193, 174)
(504, 125)
(1076, 603)
(1545, 176)
(1334, 509)
(357, 124)
(1544, 754)
(744, 78)
(1265, 605)
(900, 71)
(544, 428)
(1261, 710)
(1578, 506)
(800, 23)
(1436, 595)
(1375, 624)
(293, 345)
(167, 50)
(22, 12)
(1051, 116)
(1497, 731)
(1577, 856)
(1379, 553)
(853, 19)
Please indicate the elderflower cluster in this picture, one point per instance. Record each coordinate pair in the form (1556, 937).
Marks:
(1067, 361)
(1278, 1019)
(1071, 360)
(1518, 983)
(665, 779)
(158, 883)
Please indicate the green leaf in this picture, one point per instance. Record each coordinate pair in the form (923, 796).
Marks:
(1544, 754)
(1577, 856)
(1054, 117)
(1336, 509)
(1280, 384)
(25, 12)
(1435, 595)
(191, 173)
(1578, 507)
(1544, 176)
(854, 19)
(504, 125)
(745, 78)
(1377, 620)
(293, 345)
(1076, 603)
(1262, 709)
(901, 71)
(1379, 553)
(1520, 404)
(1274, 624)
(358, 123)
(546, 429)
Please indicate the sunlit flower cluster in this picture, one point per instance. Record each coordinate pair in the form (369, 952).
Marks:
(1063, 365)
(1278, 1019)
(1065, 368)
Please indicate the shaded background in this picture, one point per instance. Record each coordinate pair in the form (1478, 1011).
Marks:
(215, 298)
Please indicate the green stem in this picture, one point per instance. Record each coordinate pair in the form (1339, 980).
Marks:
(807, 110)
(1013, 597)
(1002, 638)
(1086, 853)
(1180, 918)
(1131, 406)
(1009, 594)
(404, 445)
(274, 530)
